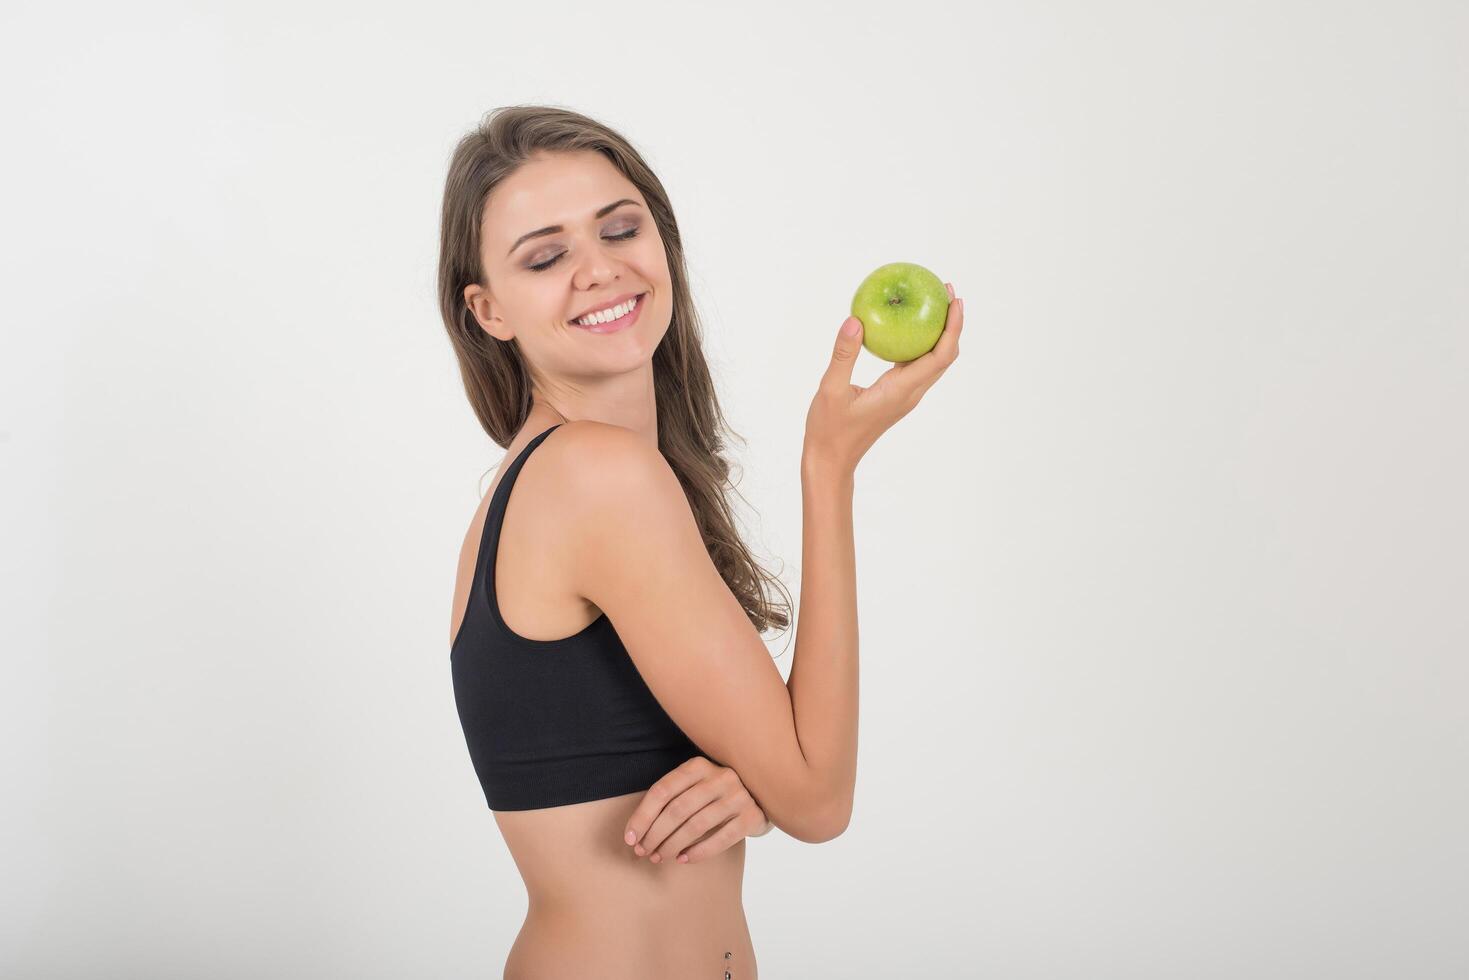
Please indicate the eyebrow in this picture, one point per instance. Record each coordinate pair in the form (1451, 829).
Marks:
(553, 229)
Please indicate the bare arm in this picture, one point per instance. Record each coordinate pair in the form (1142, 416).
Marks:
(823, 680)
(842, 424)
(639, 557)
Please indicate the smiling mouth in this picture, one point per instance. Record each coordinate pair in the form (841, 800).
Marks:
(611, 326)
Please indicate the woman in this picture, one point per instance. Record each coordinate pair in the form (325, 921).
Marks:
(620, 709)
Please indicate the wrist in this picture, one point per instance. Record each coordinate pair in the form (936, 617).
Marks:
(820, 468)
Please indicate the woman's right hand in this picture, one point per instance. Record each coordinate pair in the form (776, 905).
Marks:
(845, 419)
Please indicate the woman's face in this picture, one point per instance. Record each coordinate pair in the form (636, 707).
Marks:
(552, 250)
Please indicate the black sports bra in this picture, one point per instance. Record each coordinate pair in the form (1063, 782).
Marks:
(552, 722)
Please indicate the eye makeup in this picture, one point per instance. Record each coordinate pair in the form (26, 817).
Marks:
(628, 235)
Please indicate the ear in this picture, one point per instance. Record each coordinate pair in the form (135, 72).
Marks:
(477, 299)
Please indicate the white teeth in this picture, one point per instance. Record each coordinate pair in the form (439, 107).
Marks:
(604, 316)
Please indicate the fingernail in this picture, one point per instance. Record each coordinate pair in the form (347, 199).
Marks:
(631, 837)
(656, 858)
(851, 326)
(639, 850)
(683, 859)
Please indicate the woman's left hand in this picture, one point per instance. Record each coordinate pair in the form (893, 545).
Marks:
(699, 797)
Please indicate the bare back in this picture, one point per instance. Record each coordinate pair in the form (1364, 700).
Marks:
(594, 907)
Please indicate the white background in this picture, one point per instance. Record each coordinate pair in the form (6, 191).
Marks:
(1162, 587)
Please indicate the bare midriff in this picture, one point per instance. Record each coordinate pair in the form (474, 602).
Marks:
(596, 909)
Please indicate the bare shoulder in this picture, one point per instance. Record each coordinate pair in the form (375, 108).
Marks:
(599, 449)
(596, 470)
(572, 468)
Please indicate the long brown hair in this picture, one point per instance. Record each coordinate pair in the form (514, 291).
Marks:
(691, 426)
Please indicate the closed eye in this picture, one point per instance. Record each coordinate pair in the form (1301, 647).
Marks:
(630, 233)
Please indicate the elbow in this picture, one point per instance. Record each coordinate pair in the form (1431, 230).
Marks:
(820, 814)
(844, 818)
(818, 825)
(834, 822)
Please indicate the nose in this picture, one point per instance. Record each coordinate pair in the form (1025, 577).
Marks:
(596, 266)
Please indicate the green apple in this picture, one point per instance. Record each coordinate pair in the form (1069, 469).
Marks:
(903, 308)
